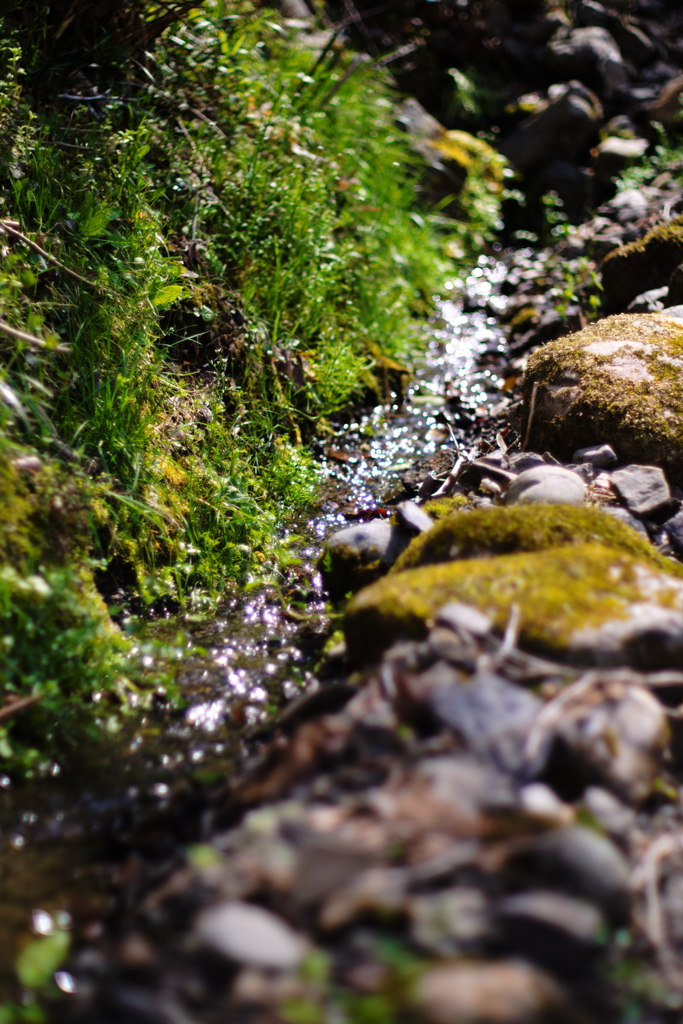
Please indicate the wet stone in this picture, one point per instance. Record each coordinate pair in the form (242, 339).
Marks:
(557, 932)
(506, 992)
(250, 935)
(624, 516)
(358, 555)
(439, 465)
(599, 455)
(548, 485)
(413, 518)
(577, 861)
(643, 489)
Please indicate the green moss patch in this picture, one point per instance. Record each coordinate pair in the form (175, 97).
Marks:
(646, 263)
(501, 531)
(619, 382)
(438, 508)
(559, 591)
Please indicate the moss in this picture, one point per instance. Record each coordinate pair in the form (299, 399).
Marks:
(646, 263)
(502, 531)
(631, 398)
(440, 507)
(559, 591)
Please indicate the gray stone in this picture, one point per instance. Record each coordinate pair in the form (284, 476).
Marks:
(559, 131)
(553, 930)
(414, 518)
(589, 55)
(250, 935)
(666, 108)
(614, 155)
(525, 460)
(599, 455)
(616, 818)
(674, 531)
(578, 861)
(503, 992)
(634, 44)
(624, 516)
(491, 716)
(675, 311)
(358, 555)
(643, 489)
(464, 619)
(651, 301)
(546, 485)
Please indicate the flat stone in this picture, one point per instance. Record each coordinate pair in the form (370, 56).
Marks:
(250, 935)
(624, 516)
(504, 992)
(599, 455)
(464, 618)
(546, 485)
(414, 518)
(643, 489)
(578, 861)
(358, 555)
(652, 301)
(525, 460)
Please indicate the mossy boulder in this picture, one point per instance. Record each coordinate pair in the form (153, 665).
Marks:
(617, 382)
(438, 508)
(585, 604)
(502, 531)
(646, 263)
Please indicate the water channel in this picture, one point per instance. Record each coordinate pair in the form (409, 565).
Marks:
(62, 838)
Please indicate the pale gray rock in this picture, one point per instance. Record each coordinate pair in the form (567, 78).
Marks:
(503, 992)
(250, 935)
(643, 489)
(599, 455)
(613, 155)
(652, 301)
(578, 861)
(464, 619)
(615, 817)
(358, 555)
(413, 517)
(624, 516)
(546, 485)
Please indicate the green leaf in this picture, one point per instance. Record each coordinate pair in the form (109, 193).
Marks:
(38, 961)
(168, 295)
(96, 222)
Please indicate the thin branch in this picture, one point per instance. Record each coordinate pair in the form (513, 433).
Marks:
(16, 706)
(13, 332)
(6, 226)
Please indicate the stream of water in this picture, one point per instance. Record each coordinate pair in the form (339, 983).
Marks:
(60, 836)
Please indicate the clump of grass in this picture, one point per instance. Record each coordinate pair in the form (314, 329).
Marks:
(204, 268)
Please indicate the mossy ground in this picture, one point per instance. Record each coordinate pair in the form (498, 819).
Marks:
(501, 531)
(240, 252)
(587, 404)
(559, 590)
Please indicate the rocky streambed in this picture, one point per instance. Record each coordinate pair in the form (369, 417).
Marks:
(473, 810)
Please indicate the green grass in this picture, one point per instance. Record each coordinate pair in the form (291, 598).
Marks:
(250, 256)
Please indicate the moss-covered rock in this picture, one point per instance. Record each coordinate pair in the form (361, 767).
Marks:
(585, 604)
(646, 263)
(503, 531)
(438, 508)
(619, 382)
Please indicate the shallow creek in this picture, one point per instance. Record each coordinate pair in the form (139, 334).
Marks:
(62, 836)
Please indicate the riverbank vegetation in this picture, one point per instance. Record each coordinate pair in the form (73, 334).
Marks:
(208, 250)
